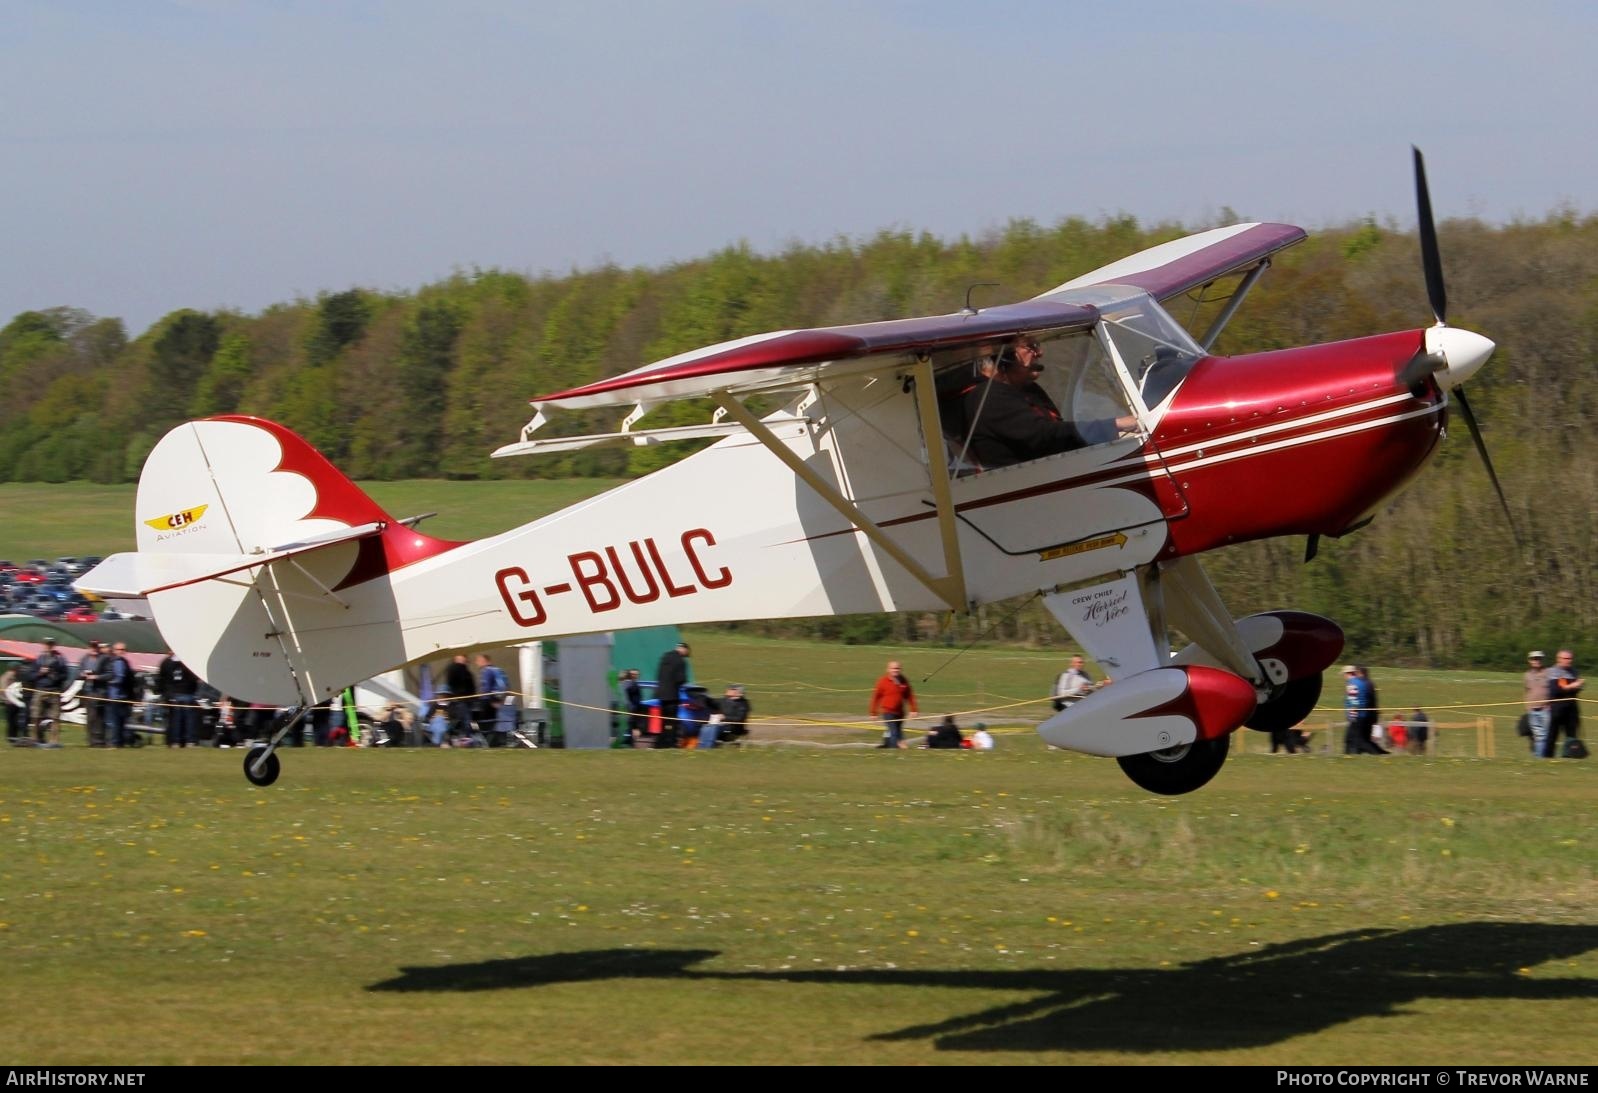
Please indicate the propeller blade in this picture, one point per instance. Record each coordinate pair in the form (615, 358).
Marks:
(1481, 449)
(1431, 258)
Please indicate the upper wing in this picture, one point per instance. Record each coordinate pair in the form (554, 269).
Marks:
(1173, 268)
(791, 358)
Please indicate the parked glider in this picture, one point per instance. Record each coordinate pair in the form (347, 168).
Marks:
(280, 581)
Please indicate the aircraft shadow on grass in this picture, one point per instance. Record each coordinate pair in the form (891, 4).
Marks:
(1251, 999)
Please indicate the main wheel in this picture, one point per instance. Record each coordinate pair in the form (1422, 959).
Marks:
(268, 773)
(1177, 770)
(1288, 705)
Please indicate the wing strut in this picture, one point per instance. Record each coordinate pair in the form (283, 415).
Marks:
(951, 588)
(937, 459)
(1195, 608)
(1239, 294)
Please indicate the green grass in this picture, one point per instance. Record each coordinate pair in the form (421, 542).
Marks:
(791, 905)
(783, 905)
(78, 518)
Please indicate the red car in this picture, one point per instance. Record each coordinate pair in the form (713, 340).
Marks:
(28, 576)
(80, 614)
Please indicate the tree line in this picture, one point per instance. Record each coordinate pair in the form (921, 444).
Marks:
(426, 383)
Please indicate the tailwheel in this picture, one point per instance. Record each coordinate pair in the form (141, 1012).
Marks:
(1288, 705)
(269, 769)
(261, 764)
(1177, 770)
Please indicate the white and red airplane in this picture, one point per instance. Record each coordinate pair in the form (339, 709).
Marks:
(278, 580)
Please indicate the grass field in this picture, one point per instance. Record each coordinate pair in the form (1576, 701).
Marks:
(792, 905)
(788, 904)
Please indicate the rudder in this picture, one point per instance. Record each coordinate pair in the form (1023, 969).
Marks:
(294, 629)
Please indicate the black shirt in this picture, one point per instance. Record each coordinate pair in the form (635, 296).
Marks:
(1013, 424)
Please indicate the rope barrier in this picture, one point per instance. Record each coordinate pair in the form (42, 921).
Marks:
(778, 722)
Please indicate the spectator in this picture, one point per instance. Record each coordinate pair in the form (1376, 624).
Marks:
(981, 740)
(433, 722)
(227, 723)
(1397, 732)
(395, 726)
(735, 711)
(260, 722)
(891, 698)
(123, 689)
(1536, 688)
(670, 677)
(1564, 716)
(177, 685)
(92, 671)
(494, 685)
(946, 735)
(633, 698)
(49, 679)
(16, 712)
(456, 697)
(1074, 683)
(1359, 707)
(1420, 732)
(321, 719)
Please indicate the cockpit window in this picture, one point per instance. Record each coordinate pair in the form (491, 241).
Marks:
(1084, 380)
(1028, 397)
(1157, 351)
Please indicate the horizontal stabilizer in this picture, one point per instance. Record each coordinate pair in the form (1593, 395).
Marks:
(136, 576)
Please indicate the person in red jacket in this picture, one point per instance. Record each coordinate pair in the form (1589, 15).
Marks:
(891, 699)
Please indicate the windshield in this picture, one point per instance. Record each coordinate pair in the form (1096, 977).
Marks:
(1156, 350)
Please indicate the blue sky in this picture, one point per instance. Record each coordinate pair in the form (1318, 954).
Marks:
(157, 155)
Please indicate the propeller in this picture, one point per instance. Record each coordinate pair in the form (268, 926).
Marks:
(1430, 257)
(1449, 355)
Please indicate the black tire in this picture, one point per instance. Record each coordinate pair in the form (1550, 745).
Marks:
(1177, 770)
(1288, 705)
(269, 774)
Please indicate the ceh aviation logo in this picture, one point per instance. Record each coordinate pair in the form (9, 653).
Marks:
(178, 521)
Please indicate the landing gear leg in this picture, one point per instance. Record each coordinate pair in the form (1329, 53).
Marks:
(1177, 770)
(261, 764)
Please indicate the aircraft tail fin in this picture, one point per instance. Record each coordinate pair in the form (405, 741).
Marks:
(263, 564)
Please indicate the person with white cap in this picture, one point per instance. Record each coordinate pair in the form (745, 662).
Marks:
(1359, 704)
(1536, 679)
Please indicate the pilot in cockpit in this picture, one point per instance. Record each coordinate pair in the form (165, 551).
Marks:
(1012, 419)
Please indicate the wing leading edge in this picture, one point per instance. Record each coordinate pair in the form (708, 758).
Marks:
(1182, 265)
